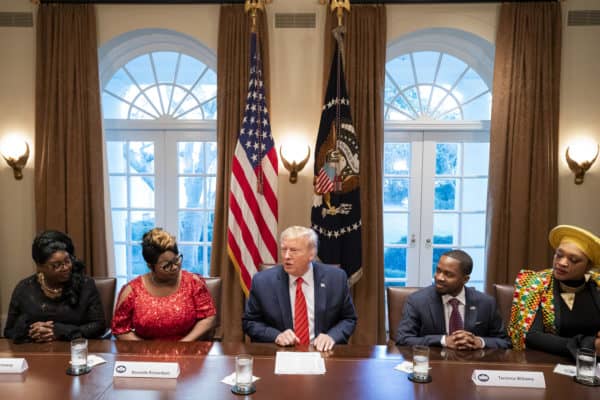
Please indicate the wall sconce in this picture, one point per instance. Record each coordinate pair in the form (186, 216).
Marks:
(293, 166)
(580, 158)
(15, 152)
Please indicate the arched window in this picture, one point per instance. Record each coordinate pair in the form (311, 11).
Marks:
(436, 151)
(159, 108)
(433, 85)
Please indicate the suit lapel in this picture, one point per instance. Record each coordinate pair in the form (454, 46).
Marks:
(470, 311)
(436, 309)
(320, 298)
(283, 299)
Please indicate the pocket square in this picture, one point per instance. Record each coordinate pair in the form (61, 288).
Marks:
(472, 308)
(322, 284)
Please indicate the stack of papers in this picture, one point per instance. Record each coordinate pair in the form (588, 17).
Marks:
(295, 363)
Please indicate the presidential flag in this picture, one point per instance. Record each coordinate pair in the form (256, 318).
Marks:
(335, 212)
(252, 226)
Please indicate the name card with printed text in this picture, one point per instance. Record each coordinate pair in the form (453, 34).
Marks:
(522, 379)
(13, 365)
(134, 369)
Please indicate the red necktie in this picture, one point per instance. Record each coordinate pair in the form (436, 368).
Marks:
(456, 322)
(300, 315)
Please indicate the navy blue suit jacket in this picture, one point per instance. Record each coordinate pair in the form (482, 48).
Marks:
(268, 309)
(423, 319)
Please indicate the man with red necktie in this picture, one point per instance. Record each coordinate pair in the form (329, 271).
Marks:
(449, 314)
(300, 301)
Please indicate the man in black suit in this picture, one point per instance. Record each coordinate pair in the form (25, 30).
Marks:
(450, 314)
(271, 310)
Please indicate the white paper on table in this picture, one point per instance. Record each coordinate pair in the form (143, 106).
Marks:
(297, 363)
(405, 366)
(94, 360)
(230, 379)
(568, 370)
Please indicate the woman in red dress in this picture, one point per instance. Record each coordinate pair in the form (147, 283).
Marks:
(165, 303)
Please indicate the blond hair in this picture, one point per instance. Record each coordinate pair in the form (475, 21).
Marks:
(294, 232)
(155, 242)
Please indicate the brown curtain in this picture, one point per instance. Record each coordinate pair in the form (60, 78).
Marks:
(69, 194)
(365, 50)
(233, 66)
(523, 187)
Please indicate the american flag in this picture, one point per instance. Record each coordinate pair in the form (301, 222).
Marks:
(325, 180)
(253, 192)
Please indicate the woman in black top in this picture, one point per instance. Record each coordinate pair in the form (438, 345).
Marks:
(58, 302)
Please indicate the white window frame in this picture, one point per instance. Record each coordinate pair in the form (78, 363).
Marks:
(165, 133)
(477, 53)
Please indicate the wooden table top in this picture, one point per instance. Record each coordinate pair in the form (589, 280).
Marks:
(353, 372)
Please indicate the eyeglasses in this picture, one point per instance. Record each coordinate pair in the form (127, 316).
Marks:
(167, 265)
(67, 262)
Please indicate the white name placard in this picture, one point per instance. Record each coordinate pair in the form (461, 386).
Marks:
(13, 365)
(522, 379)
(132, 369)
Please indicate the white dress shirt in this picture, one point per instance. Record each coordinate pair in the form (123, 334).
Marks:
(462, 301)
(448, 307)
(308, 288)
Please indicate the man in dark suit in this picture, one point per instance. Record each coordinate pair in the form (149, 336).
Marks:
(300, 301)
(450, 314)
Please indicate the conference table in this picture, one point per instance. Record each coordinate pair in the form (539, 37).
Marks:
(353, 372)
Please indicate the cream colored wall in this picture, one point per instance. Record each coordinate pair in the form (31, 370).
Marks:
(579, 117)
(296, 65)
(479, 19)
(17, 86)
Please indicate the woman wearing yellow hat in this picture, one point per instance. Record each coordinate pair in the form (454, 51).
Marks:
(557, 310)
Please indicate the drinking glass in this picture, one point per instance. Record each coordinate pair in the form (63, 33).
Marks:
(421, 363)
(243, 374)
(586, 365)
(79, 352)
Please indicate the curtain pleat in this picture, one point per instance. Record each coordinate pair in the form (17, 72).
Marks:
(69, 190)
(523, 174)
(365, 52)
(232, 88)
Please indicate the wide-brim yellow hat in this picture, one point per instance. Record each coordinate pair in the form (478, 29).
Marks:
(586, 241)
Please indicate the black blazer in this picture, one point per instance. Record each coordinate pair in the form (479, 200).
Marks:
(268, 309)
(423, 319)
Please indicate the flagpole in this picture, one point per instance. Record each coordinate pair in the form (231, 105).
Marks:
(339, 6)
(251, 7)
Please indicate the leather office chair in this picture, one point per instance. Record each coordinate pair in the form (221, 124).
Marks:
(106, 287)
(504, 297)
(396, 297)
(213, 284)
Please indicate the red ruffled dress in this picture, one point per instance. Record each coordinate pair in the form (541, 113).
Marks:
(169, 317)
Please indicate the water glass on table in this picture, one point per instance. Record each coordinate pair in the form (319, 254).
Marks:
(420, 365)
(243, 375)
(586, 366)
(79, 353)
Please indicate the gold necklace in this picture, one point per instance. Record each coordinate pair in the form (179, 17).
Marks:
(48, 291)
